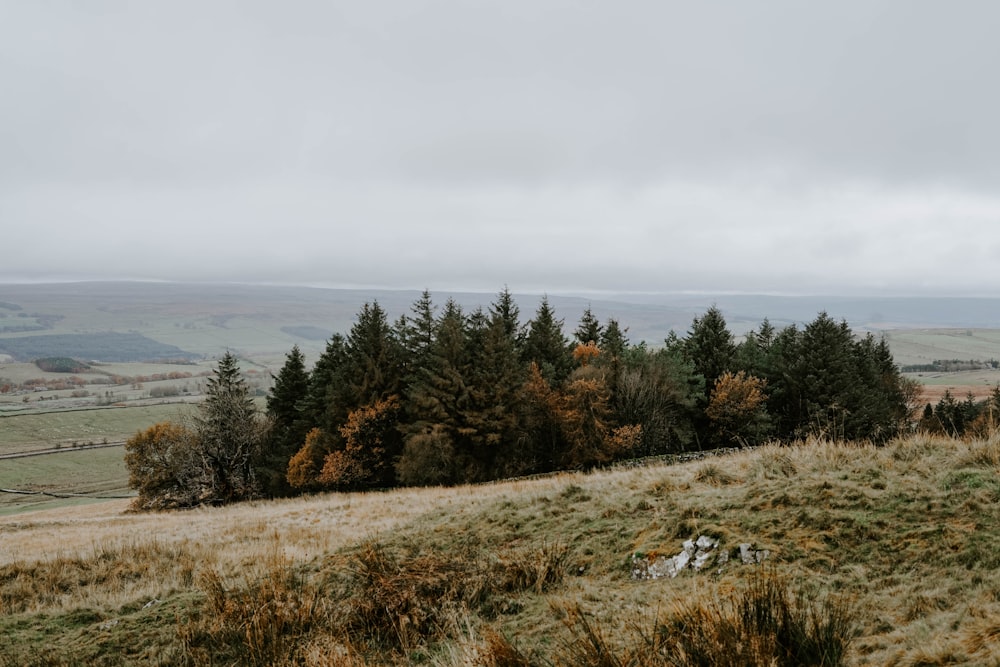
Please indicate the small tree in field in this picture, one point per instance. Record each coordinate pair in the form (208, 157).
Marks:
(231, 434)
(164, 466)
(211, 461)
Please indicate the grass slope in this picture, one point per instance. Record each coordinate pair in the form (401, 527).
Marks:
(906, 537)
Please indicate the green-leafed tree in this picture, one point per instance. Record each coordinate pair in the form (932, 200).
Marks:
(285, 406)
(416, 336)
(659, 392)
(613, 345)
(374, 363)
(711, 349)
(546, 345)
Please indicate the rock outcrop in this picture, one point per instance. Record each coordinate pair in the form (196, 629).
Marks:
(695, 554)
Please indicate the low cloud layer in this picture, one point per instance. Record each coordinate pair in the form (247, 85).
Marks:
(648, 146)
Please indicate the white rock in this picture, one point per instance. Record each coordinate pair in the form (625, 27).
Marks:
(681, 560)
(702, 558)
(706, 542)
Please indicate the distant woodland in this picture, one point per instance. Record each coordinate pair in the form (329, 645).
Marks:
(444, 396)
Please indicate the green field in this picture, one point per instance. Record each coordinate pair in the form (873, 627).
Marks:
(923, 346)
(20, 433)
(95, 472)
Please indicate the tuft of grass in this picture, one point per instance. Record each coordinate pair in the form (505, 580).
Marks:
(713, 475)
(764, 625)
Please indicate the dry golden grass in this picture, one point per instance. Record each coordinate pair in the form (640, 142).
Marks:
(908, 533)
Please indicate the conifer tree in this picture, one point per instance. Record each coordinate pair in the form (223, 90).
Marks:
(327, 373)
(285, 405)
(546, 345)
(495, 376)
(416, 336)
(710, 347)
(371, 376)
(589, 330)
(230, 434)
(438, 398)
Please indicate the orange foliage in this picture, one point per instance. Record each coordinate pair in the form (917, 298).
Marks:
(736, 397)
(304, 468)
(363, 457)
(586, 352)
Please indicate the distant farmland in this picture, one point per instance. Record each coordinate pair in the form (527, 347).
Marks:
(108, 346)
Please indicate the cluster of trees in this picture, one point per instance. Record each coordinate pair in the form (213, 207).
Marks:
(444, 396)
(213, 459)
(968, 417)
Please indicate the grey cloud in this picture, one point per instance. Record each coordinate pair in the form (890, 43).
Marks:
(549, 144)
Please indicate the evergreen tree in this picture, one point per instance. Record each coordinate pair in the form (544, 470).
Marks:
(546, 346)
(327, 373)
(709, 346)
(830, 378)
(285, 406)
(785, 405)
(230, 434)
(505, 312)
(438, 398)
(371, 375)
(374, 360)
(589, 330)
(416, 335)
(613, 345)
(495, 376)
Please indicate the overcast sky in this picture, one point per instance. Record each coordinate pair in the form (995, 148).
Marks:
(847, 147)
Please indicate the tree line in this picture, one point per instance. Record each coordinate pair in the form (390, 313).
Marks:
(445, 396)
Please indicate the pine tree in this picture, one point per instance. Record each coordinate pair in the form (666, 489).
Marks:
(374, 360)
(327, 373)
(438, 397)
(285, 405)
(230, 434)
(589, 330)
(827, 380)
(371, 376)
(546, 346)
(710, 347)
(416, 335)
(494, 375)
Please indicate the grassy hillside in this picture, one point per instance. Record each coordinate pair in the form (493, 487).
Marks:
(900, 543)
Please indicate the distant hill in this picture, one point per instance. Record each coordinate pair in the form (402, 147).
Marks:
(253, 320)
